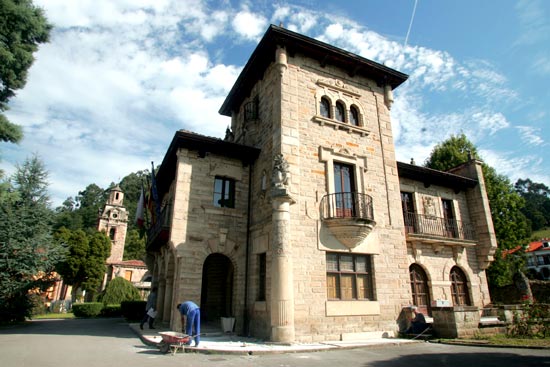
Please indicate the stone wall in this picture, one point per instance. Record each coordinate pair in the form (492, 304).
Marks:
(456, 322)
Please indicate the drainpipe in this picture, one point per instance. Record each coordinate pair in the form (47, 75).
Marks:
(248, 220)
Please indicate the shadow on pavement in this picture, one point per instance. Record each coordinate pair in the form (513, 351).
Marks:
(481, 359)
(110, 327)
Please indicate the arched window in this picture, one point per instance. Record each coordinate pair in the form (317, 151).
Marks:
(354, 116)
(112, 233)
(340, 112)
(324, 108)
(459, 287)
(419, 288)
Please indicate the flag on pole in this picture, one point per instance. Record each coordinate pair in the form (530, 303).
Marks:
(140, 220)
(154, 192)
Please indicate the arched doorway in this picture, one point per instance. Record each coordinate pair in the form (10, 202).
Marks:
(419, 288)
(459, 287)
(217, 288)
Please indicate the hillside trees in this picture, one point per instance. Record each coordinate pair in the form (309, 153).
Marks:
(511, 225)
(27, 252)
(23, 27)
(537, 202)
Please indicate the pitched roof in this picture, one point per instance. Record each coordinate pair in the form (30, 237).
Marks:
(264, 55)
(130, 263)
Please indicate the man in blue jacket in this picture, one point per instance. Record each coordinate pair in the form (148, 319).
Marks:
(190, 320)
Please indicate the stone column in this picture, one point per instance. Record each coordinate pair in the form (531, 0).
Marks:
(167, 311)
(160, 295)
(282, 285)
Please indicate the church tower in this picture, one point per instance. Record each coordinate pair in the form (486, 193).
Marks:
(113, 220)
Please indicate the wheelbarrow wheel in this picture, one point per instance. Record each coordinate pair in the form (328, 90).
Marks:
(164, 347)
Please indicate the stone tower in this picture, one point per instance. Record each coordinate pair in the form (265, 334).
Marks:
(113, 220)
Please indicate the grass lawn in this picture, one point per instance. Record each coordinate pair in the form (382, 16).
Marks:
(504, 340)
(68, 315)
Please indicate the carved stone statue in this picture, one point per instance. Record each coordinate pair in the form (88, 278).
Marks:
(281, 174)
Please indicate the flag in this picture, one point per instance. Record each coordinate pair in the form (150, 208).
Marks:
(154, 192)
(139, 211)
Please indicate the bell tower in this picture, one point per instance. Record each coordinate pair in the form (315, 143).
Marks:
(113, 220)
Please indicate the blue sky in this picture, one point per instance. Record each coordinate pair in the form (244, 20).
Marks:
(119, 77)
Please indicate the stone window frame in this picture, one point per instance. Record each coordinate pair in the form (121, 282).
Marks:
(335, 94)
(456, 294)
(331, 155)
(355, 274)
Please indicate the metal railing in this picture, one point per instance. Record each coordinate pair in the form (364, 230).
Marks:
(159, 224)
(436, 226)
(352, 205)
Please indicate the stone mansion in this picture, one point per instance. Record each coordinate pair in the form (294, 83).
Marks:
(301, 224)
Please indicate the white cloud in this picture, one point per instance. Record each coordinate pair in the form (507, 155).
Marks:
(530, 135)
(534, 22)
(249, 25)
(119, 78)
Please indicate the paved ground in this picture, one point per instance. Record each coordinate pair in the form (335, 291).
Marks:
(111, 342)
(217, 342)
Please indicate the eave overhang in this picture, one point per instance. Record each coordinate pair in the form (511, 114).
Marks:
(202, 145)
(434, 177)
(326, 54)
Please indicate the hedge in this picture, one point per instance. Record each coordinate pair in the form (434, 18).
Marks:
(111, 311)
(89, 309)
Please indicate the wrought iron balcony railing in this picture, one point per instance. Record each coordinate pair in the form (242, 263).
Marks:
(348, 205)
(436, 226)
(160, 227)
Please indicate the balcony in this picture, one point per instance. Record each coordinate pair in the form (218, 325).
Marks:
(433, 229)
(159, 231)
(349, 216)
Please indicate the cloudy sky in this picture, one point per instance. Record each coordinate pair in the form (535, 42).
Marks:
(119, 77)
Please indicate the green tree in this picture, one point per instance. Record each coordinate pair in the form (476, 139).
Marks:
(134, 248)
(27, 252)
(119, 290)
(23, 27)
(511, 226)
(84, 265)
(537, 202)
(451, 153)
(89, 202)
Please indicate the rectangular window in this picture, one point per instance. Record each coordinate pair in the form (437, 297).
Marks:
(349, 277)
(224, 192)
(261, 276)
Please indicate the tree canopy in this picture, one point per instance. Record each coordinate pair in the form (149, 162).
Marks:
(537, 202)
(27, 252)
(84, 264)
(23, 27)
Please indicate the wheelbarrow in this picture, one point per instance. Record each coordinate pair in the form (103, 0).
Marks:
(172, 341)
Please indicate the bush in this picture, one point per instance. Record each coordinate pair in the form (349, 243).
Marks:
(133, 310)
(111, 311)
(532, 322)
(90, 309)
(119, 290)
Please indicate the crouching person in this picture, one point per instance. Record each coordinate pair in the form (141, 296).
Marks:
(190, 320)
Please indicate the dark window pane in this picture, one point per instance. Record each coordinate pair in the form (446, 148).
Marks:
(340, 112)
(353, 116)
(325, 108)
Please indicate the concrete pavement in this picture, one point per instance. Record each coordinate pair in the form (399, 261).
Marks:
(217, 342)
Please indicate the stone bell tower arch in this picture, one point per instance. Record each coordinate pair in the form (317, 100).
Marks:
(113, 220)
